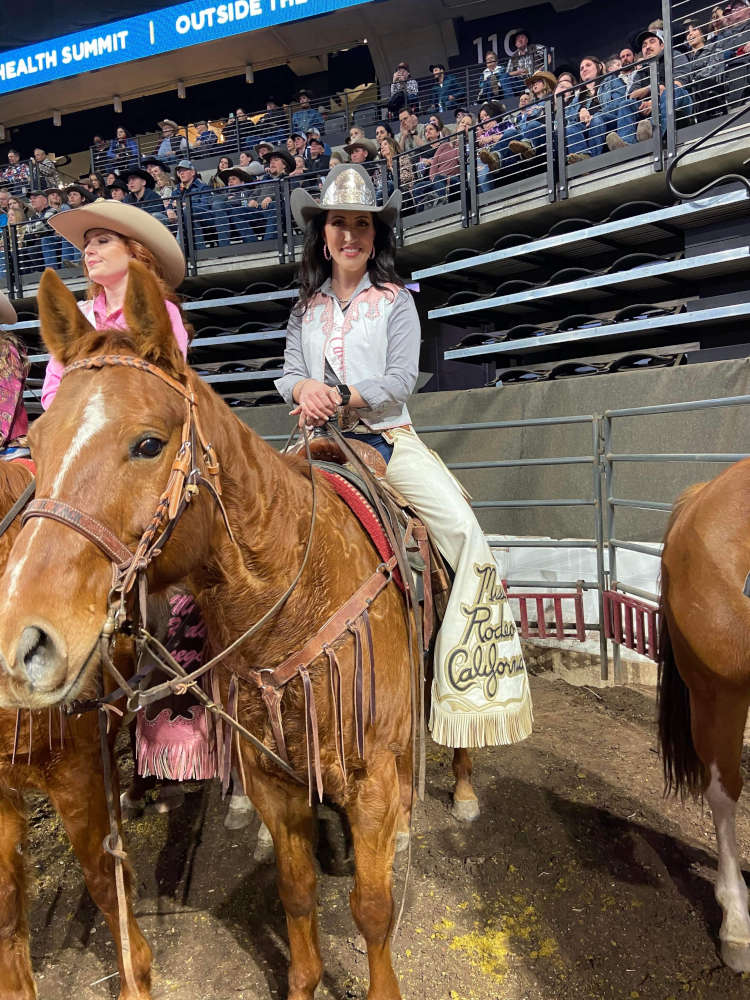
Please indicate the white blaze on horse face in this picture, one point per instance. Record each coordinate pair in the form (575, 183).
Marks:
(731, 891)
(93, 421)
(17, 570)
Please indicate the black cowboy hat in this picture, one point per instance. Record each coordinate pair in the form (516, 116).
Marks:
(239, 172)
(138, 172)
(153, 161)
(284, 154)
(120, 185)
(84, 192)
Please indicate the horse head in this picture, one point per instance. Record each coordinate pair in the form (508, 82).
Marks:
(104, 451)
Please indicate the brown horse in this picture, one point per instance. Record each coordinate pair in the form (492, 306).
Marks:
(704, 679)
(106, 447)
(59, 757)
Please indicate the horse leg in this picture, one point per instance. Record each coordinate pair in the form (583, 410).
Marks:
(16, 979)
(406, 795)
(465, 802)
(287, 815)
(373, 816)
(718, 723)
(240, 809)
(77, 794)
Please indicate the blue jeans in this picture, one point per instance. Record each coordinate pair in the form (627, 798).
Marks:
(590, 138)
(629, 116)
(530, 131)
(376, 440)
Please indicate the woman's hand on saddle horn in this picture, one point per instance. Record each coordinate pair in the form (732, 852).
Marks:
(316, 402)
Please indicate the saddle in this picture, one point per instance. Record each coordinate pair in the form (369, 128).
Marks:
(432, 594)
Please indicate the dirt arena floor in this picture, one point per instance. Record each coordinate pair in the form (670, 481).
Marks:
(578, 881)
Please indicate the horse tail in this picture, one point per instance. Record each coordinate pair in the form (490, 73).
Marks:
(683, 770)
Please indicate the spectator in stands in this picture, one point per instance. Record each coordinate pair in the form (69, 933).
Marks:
(361, 150)
(118, 190)
(110, 177)
(4, 198)
(17, 214)
(206, 139)
(299, 144)
(404, 90)
(163, 181)
(172, 145)
(734, 44)
(447, 93)
(389, 152)
(494, 83)
(280, 165)
(54, 246)
(524, 62)
(217, 181)
(300, 166)
(46, 167)
(444, 170)
(77, 195)
(314, 133)
(489, 136)
(238, 185)
(95, 182)
(291, 148)
(637, 109)
(412, 133)
(274, 122)
(99, 153)
(33, 257)
(705, 76)
(382, 131)
(246, 159)
(439, 124)
(141, 192)
(16, 174)
(355, 134)
(307, 117)
(528, 133)
(318, 159)
(123, 150)
(586, 136)
(195, 197)
(263, 149)
(718, 25)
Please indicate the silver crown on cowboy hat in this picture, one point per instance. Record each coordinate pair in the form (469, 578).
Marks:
(347, 188)
(7, 312)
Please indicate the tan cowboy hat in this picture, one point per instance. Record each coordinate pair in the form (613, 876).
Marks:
(7, 312)
(125, 220)
(367, 144)
(348, 188)
(168, 121)
(542, 74)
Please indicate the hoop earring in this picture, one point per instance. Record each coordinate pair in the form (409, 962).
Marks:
(326, 252)
(372, 252)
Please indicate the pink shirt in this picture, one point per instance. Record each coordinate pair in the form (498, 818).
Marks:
(95, 312)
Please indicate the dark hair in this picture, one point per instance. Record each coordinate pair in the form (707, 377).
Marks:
(440, 122)
(493, 108)
(12, 149)
(100, 180)
(314, 268)
(386, 126)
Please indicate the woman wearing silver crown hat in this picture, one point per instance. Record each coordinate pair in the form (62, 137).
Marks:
(353, 339)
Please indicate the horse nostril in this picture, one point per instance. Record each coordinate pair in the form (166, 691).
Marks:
(40, 658)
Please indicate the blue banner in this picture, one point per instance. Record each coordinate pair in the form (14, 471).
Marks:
(149, 35)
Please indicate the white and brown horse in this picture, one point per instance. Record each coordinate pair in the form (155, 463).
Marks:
(704, 681)
(107, 447)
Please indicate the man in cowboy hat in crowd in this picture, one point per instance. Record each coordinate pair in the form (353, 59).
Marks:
(307, 117)
(118, 190)
(240, 186)
(77, 195)
(141, 192)
(279, 164)
(317, 158)
(172, 145)
(361, 151)
(524, 62)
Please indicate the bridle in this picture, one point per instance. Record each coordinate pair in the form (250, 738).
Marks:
(185, 478)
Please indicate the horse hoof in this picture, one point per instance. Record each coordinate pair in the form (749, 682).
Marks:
(264, 852)
(402, 841)
(465, 810)
(130, 809)
(736, 956)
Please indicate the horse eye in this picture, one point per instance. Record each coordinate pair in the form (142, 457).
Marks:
(149, 447)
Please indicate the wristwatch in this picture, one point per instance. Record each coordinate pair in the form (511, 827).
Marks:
(345, 392)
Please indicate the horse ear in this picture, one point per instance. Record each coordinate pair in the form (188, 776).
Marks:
(62, 322)
(148, 321)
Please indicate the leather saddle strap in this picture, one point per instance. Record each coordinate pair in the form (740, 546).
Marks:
(371, 655)
(228, 734)
(334, 628)
(359, 709)
(419, 533)
(338, 708)
(272, 699)
(218, 725)
(313, 743)
(84, 524)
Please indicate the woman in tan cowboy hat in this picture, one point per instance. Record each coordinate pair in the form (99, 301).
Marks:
(528, 135)
(110, 234)
(14, 423)
(353, 341)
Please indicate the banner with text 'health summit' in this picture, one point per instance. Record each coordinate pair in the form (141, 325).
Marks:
(148, 35)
